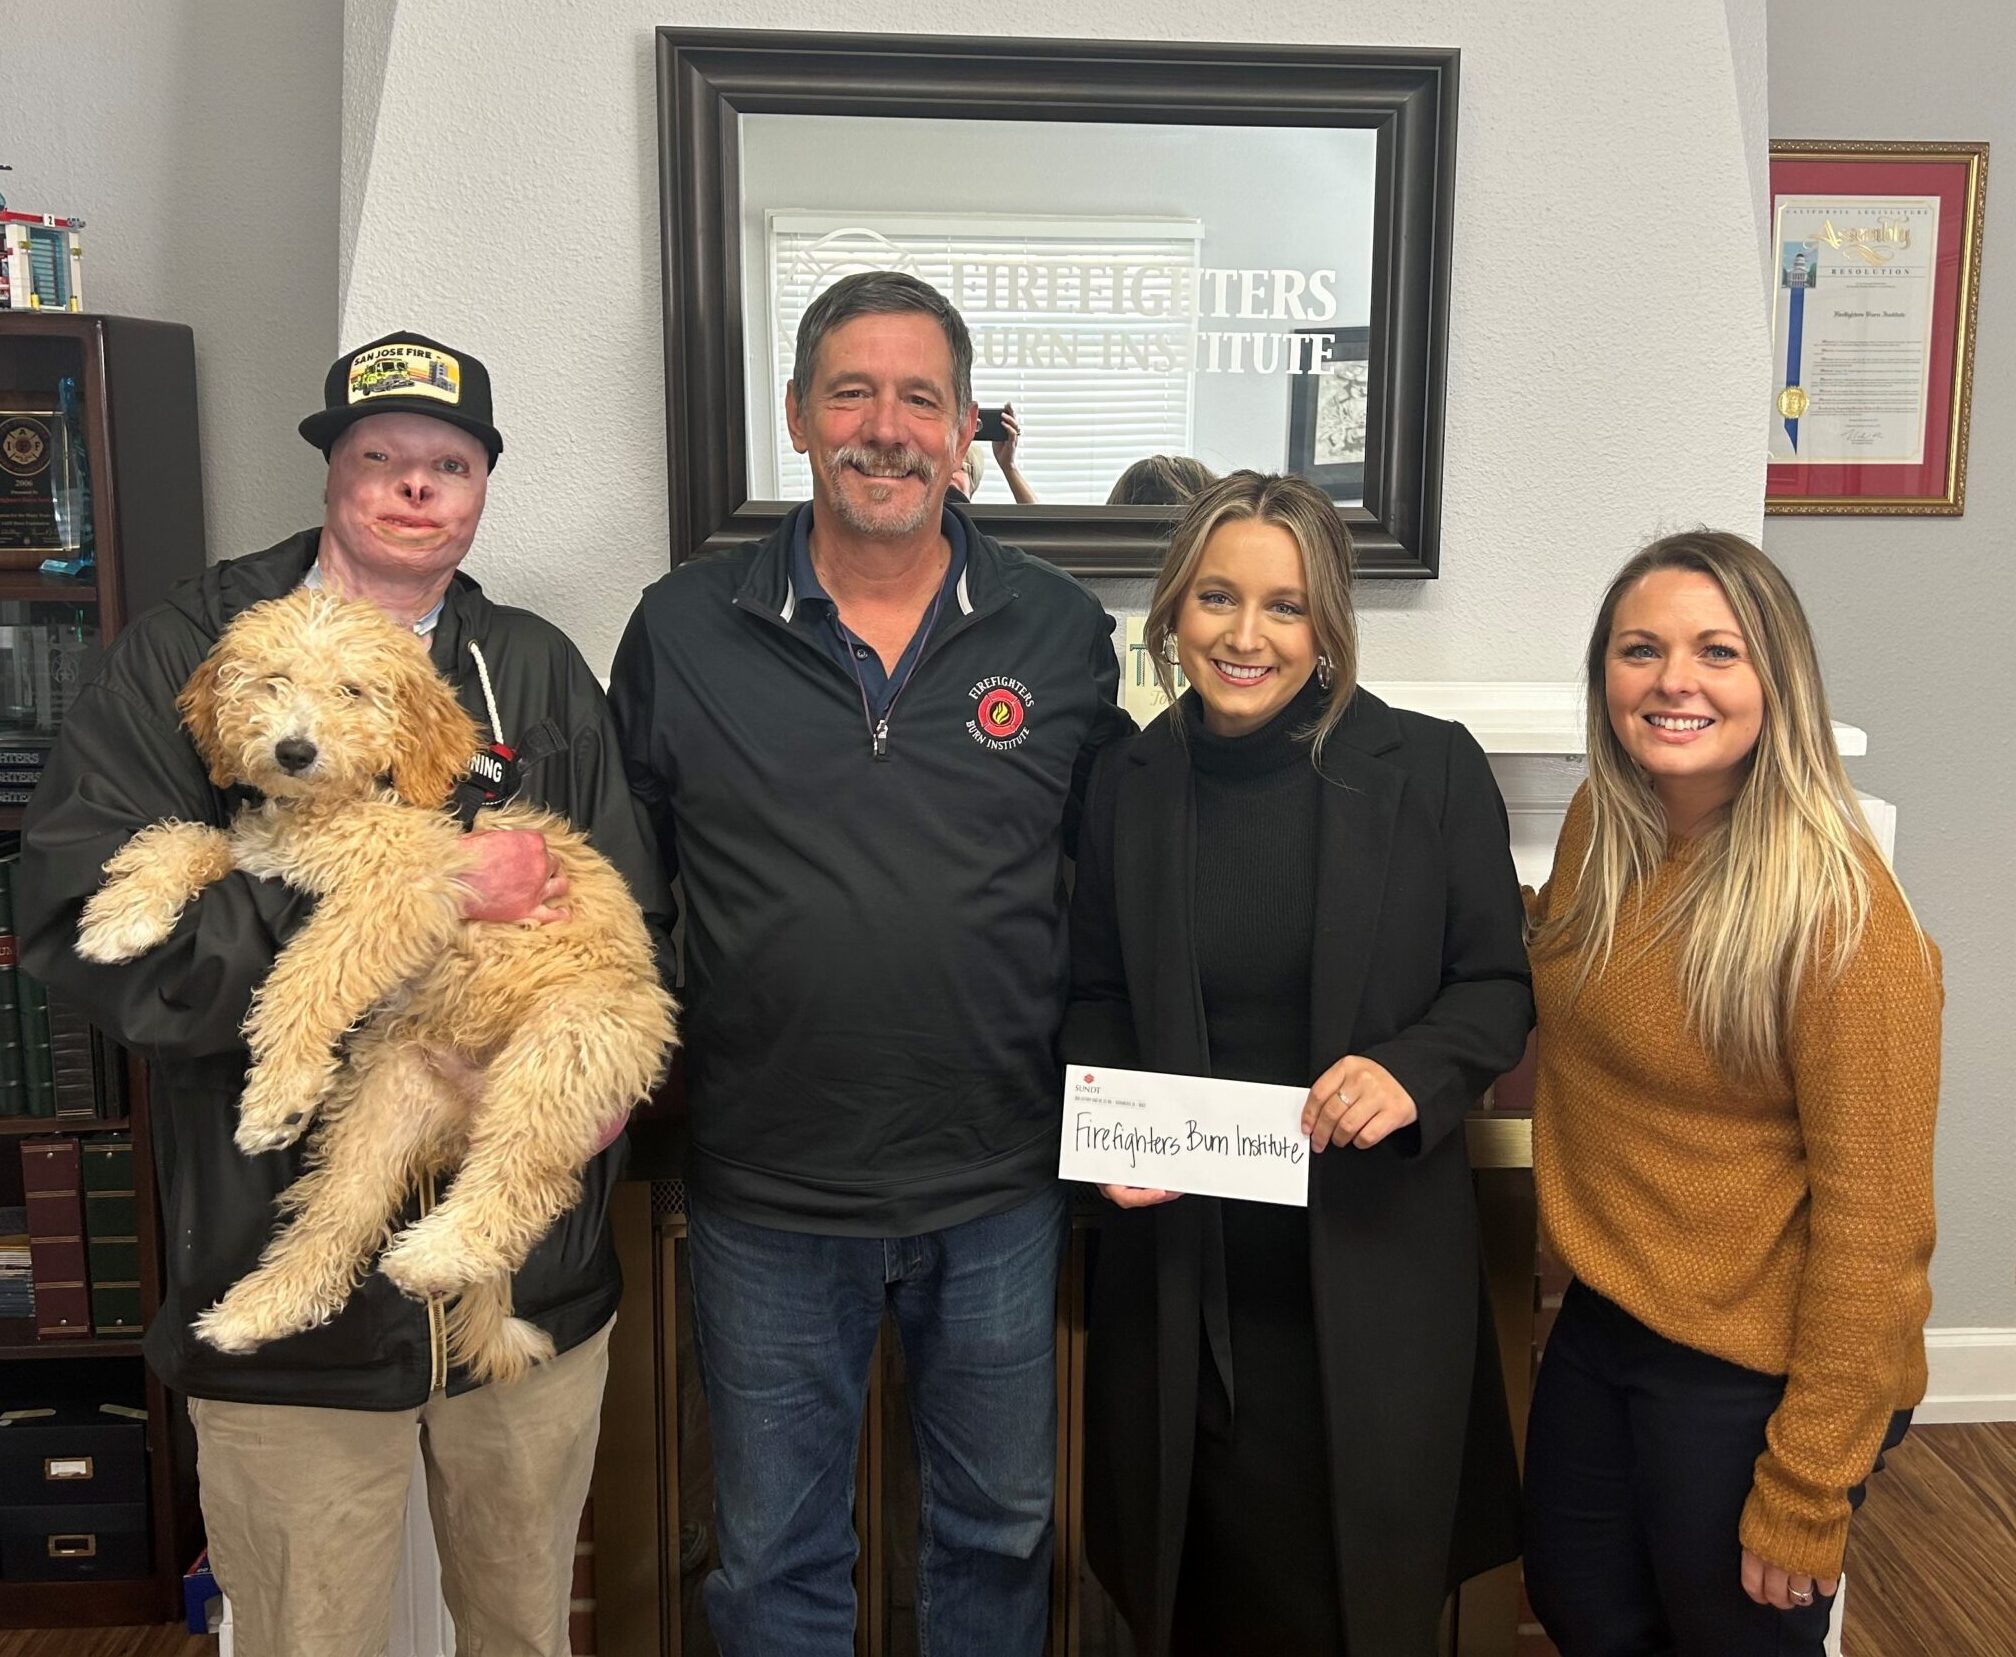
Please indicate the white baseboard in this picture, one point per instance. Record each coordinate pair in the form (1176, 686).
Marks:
(1972, 1376)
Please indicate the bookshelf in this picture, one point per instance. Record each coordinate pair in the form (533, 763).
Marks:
(117, 397)
(23, 1127)
(33, 587)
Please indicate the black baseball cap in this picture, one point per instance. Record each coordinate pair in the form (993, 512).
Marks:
(404, 373)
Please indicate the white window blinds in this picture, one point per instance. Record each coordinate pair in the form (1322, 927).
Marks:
(1085, 325)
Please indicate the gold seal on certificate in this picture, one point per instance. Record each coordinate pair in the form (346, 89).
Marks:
(1851, 328)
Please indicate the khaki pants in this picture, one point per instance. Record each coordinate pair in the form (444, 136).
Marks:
(306, 1507)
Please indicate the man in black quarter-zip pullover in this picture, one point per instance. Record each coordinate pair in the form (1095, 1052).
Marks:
(864, 742)
(305, 1446)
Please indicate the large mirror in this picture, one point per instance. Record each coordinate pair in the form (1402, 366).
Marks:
(1231, 255)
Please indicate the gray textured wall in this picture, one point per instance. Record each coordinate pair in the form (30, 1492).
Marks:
(1585, 414)
(199, 141)
(1913, 613)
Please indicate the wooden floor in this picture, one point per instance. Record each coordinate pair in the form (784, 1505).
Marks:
(1932, 1562)
(171, 1641)
(1932, 1555)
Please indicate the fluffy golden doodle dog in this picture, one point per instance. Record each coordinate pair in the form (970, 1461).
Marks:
(424, 1042)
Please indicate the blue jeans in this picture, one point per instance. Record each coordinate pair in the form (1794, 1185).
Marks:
(786, 1323)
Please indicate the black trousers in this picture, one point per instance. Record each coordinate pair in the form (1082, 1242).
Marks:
(1639, 1457)
(1259, 1569)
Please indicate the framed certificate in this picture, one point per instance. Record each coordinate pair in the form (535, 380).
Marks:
(1875, 261)
(37, 468)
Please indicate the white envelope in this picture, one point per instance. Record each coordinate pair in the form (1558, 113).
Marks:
(1185, 1133)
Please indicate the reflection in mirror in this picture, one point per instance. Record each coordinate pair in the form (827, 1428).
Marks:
(1132, 290)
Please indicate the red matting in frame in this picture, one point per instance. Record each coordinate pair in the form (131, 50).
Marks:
(1958, 175)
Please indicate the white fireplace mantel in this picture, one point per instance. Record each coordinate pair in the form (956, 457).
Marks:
(1525, 717)
(1534, 733)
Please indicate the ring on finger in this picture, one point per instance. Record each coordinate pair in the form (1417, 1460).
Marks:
(1801, 1596)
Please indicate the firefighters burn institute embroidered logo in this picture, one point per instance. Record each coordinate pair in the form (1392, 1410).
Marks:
(1000, 713)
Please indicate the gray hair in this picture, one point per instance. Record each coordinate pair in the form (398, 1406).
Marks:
(882, 293)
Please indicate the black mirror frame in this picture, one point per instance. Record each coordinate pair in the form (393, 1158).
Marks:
(708, 78)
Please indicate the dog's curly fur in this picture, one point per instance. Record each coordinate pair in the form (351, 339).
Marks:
(424, 1042)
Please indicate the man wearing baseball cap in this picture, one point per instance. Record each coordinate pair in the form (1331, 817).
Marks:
(306, 1446)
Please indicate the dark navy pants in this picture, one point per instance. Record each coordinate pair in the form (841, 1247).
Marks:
(1639, 1458)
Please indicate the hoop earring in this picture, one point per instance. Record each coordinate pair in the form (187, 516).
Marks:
(1325, 674)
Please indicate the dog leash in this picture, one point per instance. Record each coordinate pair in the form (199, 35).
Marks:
(489, 695)
(492, 776)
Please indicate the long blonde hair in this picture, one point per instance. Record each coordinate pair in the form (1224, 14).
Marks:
(1780, 885)
(1306, 513)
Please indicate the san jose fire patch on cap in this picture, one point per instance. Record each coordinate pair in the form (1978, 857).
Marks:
(398, 370)
(1000, 713)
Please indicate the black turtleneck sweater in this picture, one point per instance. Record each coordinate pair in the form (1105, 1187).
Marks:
(1258, 1566)
(1254, 901)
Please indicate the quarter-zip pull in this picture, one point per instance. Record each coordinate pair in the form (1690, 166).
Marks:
(878, 727)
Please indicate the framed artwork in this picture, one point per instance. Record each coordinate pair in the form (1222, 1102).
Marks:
(1328, 411)
(1876, 251)
(751, 121)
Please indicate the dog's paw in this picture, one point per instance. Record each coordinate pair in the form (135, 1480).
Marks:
(122, 923)
(257, 1139)
(269, 1128)
(426, 1263)
(236, 1328)
(227, 1333)
(278, 1104)
(269, 1305)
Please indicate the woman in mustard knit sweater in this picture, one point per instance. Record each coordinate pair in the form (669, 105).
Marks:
(1739, 1066)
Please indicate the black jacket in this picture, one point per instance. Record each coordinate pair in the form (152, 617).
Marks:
(875, 956)
(1419, 964)
(122, 762)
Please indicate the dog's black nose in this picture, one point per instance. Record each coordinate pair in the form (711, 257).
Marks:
(294, 755)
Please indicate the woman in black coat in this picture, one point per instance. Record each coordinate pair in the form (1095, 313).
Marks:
(1296, 1433)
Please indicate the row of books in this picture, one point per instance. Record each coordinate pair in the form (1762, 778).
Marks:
(53, 1062)
(17, 1272)
(83, 1230)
